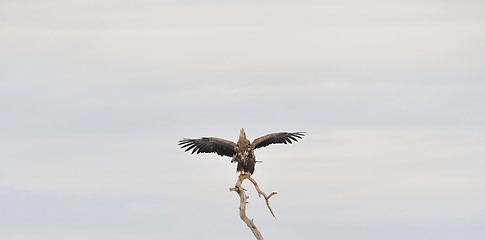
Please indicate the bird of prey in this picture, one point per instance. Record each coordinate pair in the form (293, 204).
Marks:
(241, 152)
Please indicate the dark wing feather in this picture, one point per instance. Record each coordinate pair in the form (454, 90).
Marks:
(282, 137)
(209, 145)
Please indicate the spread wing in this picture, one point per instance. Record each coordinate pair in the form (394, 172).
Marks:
(282, 137)
(209, 145)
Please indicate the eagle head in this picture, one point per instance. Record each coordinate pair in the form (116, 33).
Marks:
(242, 133)
(242, 136)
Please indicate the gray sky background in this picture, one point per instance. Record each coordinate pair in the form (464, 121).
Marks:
(94, 96)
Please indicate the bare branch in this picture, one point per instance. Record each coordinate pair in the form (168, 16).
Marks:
(243, 202)
(261, 193)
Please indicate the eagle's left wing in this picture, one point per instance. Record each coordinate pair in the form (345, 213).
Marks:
(209, 145)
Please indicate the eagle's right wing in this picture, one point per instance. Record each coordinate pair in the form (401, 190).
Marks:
(209, 145)
(272, 138)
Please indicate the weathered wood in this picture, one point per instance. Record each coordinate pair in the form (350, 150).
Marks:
(243, 202)
(261, 193)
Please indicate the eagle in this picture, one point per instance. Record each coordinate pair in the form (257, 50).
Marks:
(241, 152)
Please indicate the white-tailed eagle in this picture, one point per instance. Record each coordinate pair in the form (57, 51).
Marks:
(241, 152)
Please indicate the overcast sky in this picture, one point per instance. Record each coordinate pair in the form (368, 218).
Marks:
(94, 96)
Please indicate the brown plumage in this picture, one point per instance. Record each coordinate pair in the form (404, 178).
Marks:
(241, 152)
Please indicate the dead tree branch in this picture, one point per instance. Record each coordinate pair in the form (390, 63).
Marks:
(243, 202)
(261, 193)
